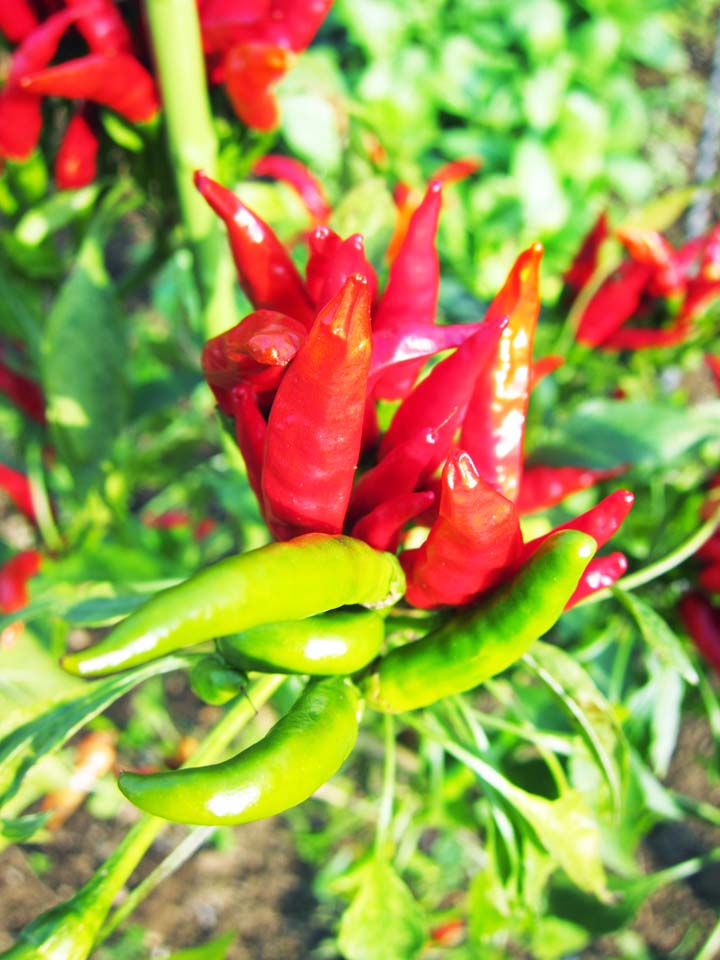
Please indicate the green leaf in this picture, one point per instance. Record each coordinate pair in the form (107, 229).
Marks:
(101, 611)
(383, 922)
(577, 693)
(366, 209)
(309, 123)
(20, 829)
(84, 358)
(55, 212)
(214, 950)
(658, 635)
(666, 718)
(546, 206)
(22, 747)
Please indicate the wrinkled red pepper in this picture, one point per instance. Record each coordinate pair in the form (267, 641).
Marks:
(315, 424)
(472, 545)
(266, 273)
(493, 431)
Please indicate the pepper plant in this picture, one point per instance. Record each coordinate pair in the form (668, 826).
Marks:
(439, 476)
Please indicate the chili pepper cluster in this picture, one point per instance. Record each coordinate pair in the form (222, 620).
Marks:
(303, 377)
(111, 74)
(661, 288)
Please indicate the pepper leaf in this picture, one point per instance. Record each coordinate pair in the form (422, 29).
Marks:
(658, 635)
(575, 690)
(383, 922)
(214, 950)
(84, 362)
(22, 747)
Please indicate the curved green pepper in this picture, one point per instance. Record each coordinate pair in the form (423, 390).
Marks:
(486, 638)
(214, 682)
(301, 752)
(282, 581)
(332, 643)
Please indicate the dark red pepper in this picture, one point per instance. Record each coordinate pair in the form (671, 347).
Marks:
(588, 256)
(22, 391)
(76, 159)
(17, 19)
(616, 300)
(702, 621)
(17, 486)
(382, 528)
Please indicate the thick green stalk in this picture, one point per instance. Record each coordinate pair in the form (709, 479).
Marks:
(175, 33)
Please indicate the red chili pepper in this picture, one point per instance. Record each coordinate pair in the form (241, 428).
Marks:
(20, 113)
(290, 24)
(250, 71)
(616, 300)
(397, 473)
(102, 26)
(17, 19)
(412, 288)
(17, 486)
(254, 351)
(250, 433)
(22, 391)
(266, 273)
(297, 175)
(472, 545)
(543, 367)
(167, 520)
(456, 170)
(316, 420)
(14, 575)
(600, 572)
(600, 522)
(119, 82)
(493, 430)
(348, 258)
(652, 249)
(702, 621)
(323, 243)
(644, 338)
(382, 528)
(588, 256)
(709, 578)
(439, 401)
(76, 159)
(543, 486)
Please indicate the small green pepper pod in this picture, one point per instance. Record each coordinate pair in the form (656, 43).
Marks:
(326, 645)
(311, 574)
(485, 639)
(300, 753)
(214, 682)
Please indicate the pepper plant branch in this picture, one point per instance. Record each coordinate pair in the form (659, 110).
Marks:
(176, 41)
(384, 822)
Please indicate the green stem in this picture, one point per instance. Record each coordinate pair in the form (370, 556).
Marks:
(712, 945)
(387, 797)
(654, 570)
(176, 40)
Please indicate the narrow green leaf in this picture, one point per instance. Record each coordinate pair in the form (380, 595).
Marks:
(21, 748)
(214, 950)
(54, 212)
(383, 922)
(20, 829)
(658, 635)
(576, 691)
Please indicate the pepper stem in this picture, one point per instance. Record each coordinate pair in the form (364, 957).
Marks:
(175, 34)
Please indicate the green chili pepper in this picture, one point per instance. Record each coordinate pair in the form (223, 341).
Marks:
(214, 682)
(333, 643)
(485, 639)
(282, 581)
(301, 752)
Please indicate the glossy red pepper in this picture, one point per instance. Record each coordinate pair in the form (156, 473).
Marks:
(601, 572)
(119, 82)
(76, 159)
(382, 527)
(250, 433)
(316, 420)
(652, 249)
(493, 430)
(250, 72)
(297, 175)
(347, 258)
(544, 486)
(17, 486)
(616, 300)
(471, 547)
(323, 243)
(544, 367)
(266, 273)
(702, 621)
